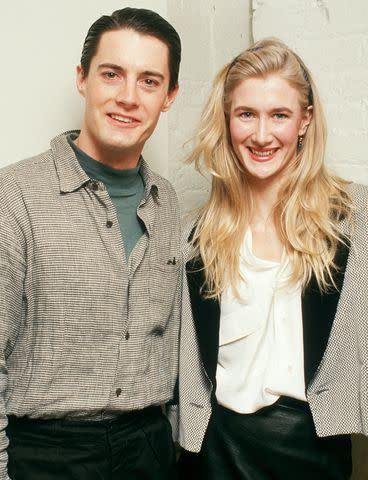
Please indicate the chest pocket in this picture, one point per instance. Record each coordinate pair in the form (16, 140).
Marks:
(164, 281)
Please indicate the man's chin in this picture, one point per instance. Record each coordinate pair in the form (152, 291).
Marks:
(119, 149)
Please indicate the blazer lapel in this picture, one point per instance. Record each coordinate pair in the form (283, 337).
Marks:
(318, 311)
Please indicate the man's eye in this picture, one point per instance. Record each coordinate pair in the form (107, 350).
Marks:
(150, 82)
(110, 74)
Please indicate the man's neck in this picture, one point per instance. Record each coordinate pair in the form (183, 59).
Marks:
(110, 157)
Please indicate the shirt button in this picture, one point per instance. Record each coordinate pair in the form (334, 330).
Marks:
(157, 332)
(127, 336)
(94, 186)
(109, 224)
(118, 392)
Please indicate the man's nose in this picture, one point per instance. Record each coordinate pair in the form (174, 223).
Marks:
(128, 94)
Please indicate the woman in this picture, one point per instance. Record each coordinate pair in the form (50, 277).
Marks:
(273, 370)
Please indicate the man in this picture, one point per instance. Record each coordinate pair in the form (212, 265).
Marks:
(90, 275)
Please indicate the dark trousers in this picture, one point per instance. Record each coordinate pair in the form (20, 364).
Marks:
(276, 443)
(133, 446)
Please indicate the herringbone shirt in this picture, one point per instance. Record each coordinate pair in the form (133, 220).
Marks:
(83, 333)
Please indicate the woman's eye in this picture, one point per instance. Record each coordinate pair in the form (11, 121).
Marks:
(246, 115)
(280, 116)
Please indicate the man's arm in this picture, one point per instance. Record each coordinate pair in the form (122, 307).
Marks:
(12, 274)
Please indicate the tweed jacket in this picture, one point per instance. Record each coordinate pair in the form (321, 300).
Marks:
(335, 334)
(83, 333)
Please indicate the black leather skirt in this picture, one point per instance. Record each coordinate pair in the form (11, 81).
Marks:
(276, 443)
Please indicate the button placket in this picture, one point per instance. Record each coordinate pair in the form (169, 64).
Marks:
(110, 232)
(103, 198)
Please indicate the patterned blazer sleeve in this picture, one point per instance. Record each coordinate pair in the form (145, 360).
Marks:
(338, 394)
(190, 418)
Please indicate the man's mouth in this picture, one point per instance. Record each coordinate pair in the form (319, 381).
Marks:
(123, 119)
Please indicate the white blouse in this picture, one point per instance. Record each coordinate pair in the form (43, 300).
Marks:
(261, 337)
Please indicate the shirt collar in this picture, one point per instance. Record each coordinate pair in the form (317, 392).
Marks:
(151, 181)
(72, 176)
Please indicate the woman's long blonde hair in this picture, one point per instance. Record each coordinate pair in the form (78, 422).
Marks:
(311, 202)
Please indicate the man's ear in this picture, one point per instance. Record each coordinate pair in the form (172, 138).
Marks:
(80, 80)
(170, 98)
(307, 117)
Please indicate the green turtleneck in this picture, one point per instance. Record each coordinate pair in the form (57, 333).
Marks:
(126, 190)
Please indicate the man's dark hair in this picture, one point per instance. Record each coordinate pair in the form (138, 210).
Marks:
(142, 21)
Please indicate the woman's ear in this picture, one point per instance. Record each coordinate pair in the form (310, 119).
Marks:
(306, 119)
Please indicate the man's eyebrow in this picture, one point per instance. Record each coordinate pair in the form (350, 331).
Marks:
(150, 73)
(113, 66)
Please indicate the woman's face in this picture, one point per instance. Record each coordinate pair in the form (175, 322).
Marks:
(265, 121)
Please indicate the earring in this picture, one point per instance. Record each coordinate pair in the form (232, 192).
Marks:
(300, 142)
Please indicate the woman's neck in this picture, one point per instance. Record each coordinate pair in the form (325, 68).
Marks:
(265, 197)
(266, 240)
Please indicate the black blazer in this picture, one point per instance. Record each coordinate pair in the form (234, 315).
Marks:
(318, 312)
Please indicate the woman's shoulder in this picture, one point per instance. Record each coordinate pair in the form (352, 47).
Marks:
(358, 194)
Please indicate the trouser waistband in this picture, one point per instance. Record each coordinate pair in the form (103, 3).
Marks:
(112, 418)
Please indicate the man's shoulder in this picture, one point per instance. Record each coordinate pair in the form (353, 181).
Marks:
(27, 180)
(18, 179)
(164, 187)
(39, 171)
(34, 166)
(26, 167)
(164, 184)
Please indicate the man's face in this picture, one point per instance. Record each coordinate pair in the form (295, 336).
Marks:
(125, 90)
